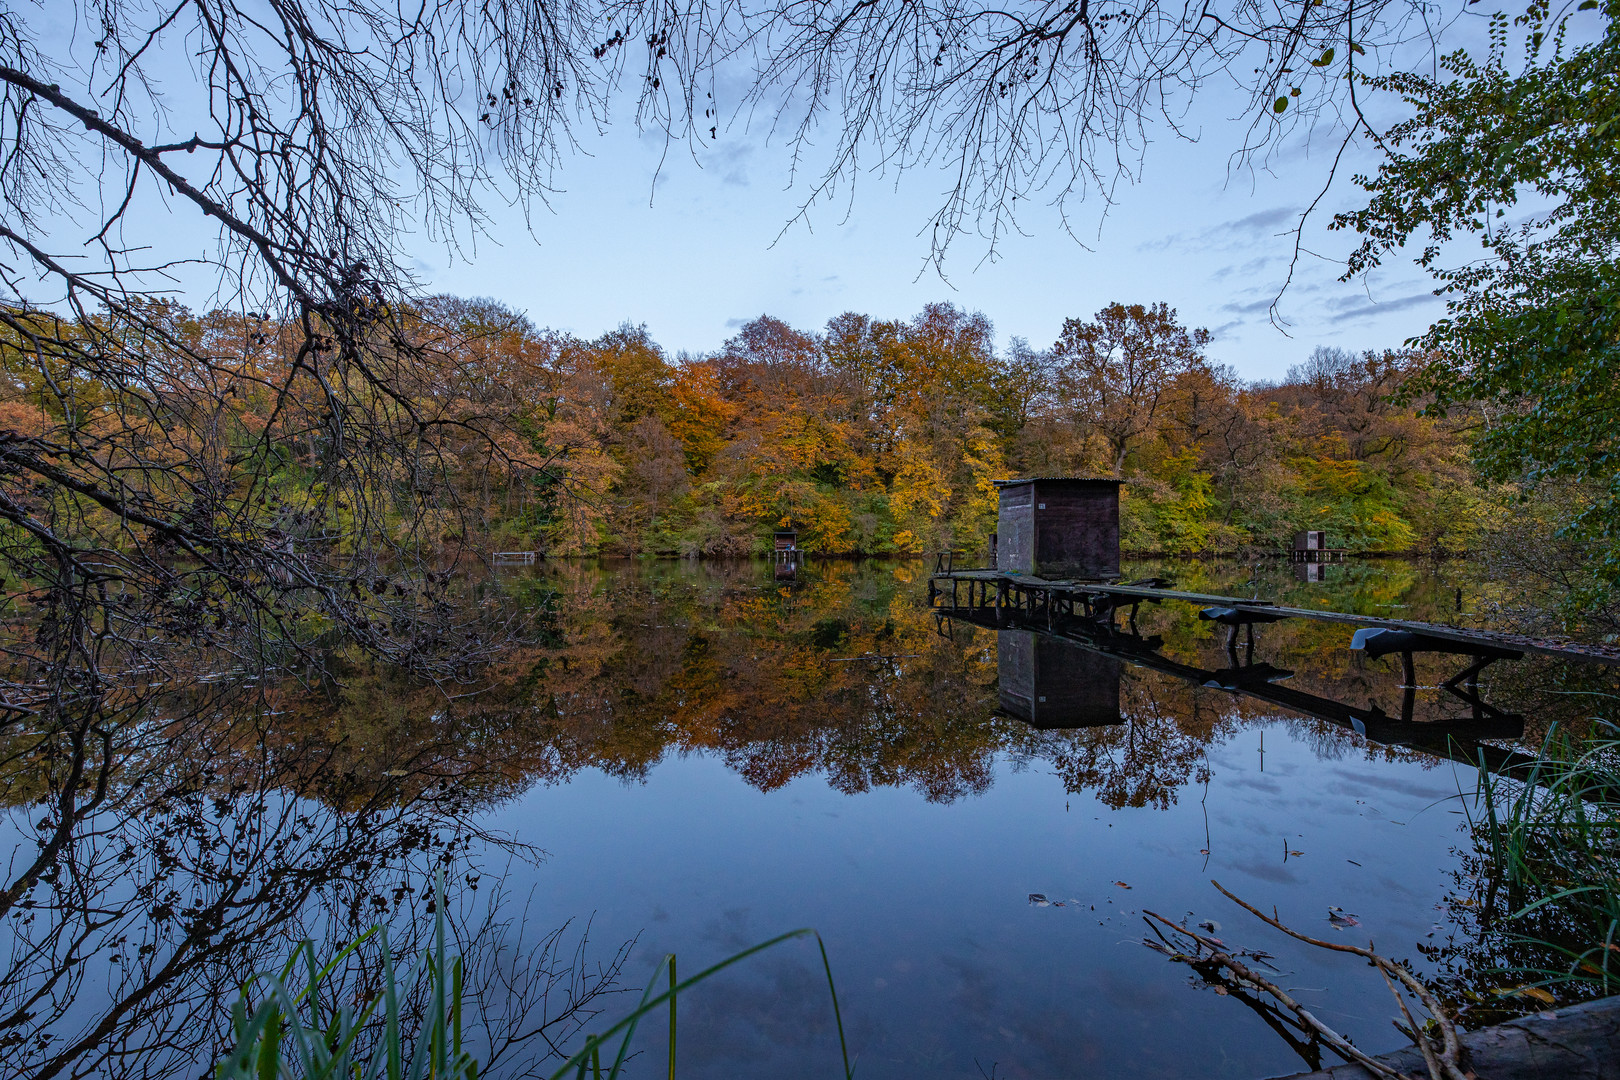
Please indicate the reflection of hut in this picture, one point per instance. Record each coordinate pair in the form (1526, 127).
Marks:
(1049, 684)
(1310, 571)
(1059, 527)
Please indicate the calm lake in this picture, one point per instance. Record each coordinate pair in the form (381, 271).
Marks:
(698, 756)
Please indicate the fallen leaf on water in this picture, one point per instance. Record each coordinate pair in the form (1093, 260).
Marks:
(1203, 851)
(1535, 993)
(1122, 885)
(1039, 899)
(1221, 990)
(1211, 925)
(1341, 918)
(1296, 854)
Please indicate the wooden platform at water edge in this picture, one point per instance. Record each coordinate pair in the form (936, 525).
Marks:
(1035, 597)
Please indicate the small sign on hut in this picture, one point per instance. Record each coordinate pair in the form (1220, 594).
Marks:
(1059, 527)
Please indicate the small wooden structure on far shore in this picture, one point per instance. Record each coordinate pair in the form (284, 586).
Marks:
(1312, 547)
(785, 553)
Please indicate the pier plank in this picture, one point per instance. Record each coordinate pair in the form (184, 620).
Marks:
(1580, 652)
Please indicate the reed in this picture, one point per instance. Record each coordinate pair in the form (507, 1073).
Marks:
(1551, 837)
(291, 1024)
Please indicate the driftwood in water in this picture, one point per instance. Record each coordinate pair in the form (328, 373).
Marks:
(1581, 1042)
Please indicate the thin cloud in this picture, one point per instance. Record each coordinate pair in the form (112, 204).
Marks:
(1228, 235)
(1366, 311)
(1264, 219)
(1253, 307)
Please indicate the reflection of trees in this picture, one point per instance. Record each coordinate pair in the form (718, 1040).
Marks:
(160, 862)
(1159, 749)
(834, 676)
(843, 675)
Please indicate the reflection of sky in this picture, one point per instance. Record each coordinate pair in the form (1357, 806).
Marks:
(940, 960)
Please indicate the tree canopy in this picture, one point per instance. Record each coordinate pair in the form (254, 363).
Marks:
(1522, 157)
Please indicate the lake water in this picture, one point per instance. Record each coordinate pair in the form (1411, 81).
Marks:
(703, 756)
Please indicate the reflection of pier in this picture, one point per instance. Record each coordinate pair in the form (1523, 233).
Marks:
(1039, 652)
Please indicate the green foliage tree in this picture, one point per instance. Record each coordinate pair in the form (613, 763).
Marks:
(1524, 158)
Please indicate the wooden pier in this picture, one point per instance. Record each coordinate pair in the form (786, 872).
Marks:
(1039, 599)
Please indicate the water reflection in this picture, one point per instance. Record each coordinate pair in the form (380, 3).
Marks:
(1050, 684)
(1312, 571)
(847, 674)
(162, 855)
(159, 858)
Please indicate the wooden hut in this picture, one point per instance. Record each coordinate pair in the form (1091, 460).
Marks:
(785, 553)
(1312, 547)
(1052, 685)
(1059, 527)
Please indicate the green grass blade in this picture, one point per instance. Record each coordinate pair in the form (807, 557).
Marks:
(578, 1060)
(838, 1016)
(671, 1016)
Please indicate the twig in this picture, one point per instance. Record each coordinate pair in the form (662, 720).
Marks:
(1341, 1045)
(1413, 1031)
(1451, 1055)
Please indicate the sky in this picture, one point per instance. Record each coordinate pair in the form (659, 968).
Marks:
(693, 248)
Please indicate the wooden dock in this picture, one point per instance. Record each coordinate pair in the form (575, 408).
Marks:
(1034, 597)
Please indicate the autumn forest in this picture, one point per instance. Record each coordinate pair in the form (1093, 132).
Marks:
(869, 436)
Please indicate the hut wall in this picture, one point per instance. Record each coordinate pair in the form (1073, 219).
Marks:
(1015, 530)
(1059, 528)
(1077, 531)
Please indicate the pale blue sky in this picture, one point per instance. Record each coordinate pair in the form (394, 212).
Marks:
(713, 246)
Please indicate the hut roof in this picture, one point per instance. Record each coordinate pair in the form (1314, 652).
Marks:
(1081, 479)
